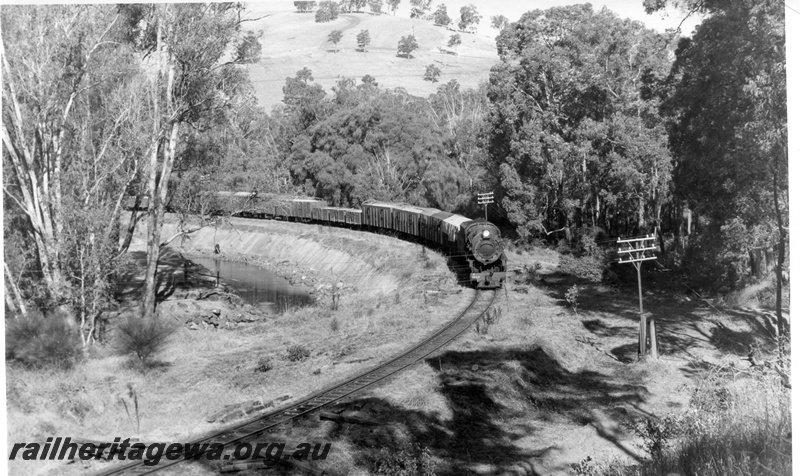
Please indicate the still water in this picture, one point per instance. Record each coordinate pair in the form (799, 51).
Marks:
(256, 286)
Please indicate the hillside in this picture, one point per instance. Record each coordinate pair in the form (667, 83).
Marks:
(293, 41)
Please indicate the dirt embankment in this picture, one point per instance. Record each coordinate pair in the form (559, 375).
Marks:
(366, 263)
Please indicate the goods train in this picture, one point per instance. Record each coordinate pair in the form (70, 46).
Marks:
(476, 241)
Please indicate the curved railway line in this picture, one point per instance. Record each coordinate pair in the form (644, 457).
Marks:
(247, 430)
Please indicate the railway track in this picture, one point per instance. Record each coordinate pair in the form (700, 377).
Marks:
(247, 430)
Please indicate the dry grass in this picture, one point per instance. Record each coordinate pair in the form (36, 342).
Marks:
(543, 389)
(201, 372)
(294, 41)
(732, 427)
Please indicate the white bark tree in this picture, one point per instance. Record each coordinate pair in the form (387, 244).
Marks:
(196, 75)
(66, 102)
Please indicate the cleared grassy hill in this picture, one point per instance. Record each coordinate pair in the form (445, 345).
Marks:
(293, 41)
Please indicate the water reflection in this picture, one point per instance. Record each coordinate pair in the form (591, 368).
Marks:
(256, 286)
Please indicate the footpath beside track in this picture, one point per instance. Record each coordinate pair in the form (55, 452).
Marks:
(245, 431)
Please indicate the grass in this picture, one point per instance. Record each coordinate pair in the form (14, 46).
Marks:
(293, 41)
(553, 392)
(540, 389)
(198, 373)
(732, 427)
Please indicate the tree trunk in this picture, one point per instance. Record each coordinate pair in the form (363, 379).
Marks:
(153, 231)
(755, 262)
(16, 302)
(779, 264)
(688, 216)
(158, 194)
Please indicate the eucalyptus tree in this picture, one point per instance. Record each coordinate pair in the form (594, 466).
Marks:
(335, 37)
(726, 100)
(72, 145)
(194, 51)
(571, 140)
(469, 17)
(363, 39)
(440, 16)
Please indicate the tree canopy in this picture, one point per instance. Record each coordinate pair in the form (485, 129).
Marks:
(407, 45)
(440, 16)
(573, 143)
(469, 18)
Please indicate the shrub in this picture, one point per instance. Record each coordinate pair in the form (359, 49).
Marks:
(571, 297)
(717, 260)
(297, 353)
(39, 341)
(532, 272)
(657, 434)
(405, 461)
(432, 73)
(589, 268)
(327, 11)
(489, 318)
(264, 364)
(141, 337)
(733, 425)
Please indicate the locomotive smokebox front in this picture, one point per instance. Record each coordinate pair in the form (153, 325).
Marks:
(484, 241)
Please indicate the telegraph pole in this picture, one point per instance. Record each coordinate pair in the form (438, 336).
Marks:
(485, 199)
(635, 251)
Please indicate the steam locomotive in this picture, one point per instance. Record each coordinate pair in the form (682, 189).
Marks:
(476, 241)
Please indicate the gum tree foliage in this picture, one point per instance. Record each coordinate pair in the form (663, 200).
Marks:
(393, 4)
(335, 37)
(364, 143)
(440, 16)
(454, 41)
(407, 45)
(327, 11)
(305, 6)
(303, 99)
(363, 39)
(726, 100)
(469, 18)
(419, 8)
(72, 133)
(352, 5)
(432, 73)
(94, 102)
(571, 140)
(499, 22)
(197, 49)
(460, 115)
(376, 6)
(236, 149)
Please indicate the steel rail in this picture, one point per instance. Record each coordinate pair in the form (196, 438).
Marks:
(481, 302)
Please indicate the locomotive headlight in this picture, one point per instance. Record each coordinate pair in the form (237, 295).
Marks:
(486, 233)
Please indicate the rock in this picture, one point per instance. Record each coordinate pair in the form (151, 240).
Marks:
(216, 312)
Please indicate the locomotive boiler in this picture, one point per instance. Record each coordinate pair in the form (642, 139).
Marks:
(485, 256)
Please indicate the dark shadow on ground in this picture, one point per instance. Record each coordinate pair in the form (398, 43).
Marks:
(174, 272)
(684, 322)
(483, 429)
